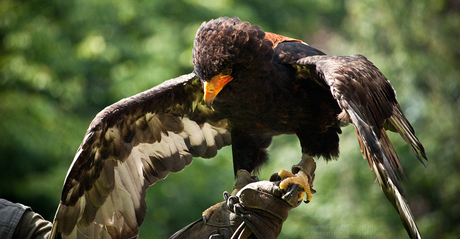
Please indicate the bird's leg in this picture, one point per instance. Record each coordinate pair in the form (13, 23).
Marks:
(249, 152)
(243, 178)
(302, 174)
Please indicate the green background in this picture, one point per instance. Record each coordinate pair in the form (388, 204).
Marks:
(61, 62)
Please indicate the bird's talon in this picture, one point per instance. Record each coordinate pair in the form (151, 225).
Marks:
(275, 177)
(288, 195)
(298, 181)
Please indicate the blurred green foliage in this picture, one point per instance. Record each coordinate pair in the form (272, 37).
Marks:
(63, 61)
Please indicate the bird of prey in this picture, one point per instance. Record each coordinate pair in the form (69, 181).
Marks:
(247, 86)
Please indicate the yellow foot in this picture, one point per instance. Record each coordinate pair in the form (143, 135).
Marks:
(301, 179)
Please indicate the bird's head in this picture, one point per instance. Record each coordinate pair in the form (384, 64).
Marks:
(228, 50)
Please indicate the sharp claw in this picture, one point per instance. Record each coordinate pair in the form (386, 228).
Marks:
(288, 195)
(300, 179)
(275, 177)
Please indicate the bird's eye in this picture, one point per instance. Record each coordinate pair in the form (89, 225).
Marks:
(227, 72)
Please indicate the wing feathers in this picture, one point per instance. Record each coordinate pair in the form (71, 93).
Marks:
(369, 102)
(403, 127)
(194, 138)
(398, 200)
(383, 168)
(128, 147)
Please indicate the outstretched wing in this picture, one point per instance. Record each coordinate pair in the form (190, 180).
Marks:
(128, 147)
(369, 102)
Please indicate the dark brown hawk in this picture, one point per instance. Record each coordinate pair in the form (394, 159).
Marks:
(247, 86)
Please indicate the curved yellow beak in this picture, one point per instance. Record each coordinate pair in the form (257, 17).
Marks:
(213, 87)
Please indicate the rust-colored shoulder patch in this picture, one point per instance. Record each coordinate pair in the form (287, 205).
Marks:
(276, 38)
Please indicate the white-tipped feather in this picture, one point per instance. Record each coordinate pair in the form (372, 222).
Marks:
(128, 148)
(116, 209)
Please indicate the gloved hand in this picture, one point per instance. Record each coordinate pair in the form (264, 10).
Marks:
(258, 210)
